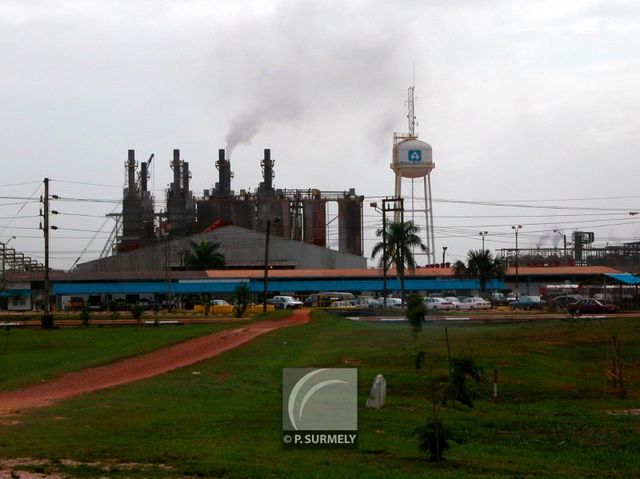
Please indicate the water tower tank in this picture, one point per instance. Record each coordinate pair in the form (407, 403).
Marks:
(412, 159)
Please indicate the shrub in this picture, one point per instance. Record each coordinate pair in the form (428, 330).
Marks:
(433, 439)
(47, 321)
(416, 311)
(457, 389)
(137, 311)
(241, 299)
(85, 317)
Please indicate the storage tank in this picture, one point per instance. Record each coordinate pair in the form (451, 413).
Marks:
(315, 222)
(412, 159)
(350, 225)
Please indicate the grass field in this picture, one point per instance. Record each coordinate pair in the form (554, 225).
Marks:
(29, 356)
(226, 420)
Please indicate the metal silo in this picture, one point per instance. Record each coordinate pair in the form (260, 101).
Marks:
(315, 222)
(350, 224)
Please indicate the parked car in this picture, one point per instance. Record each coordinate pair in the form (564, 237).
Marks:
(329, 300)
(528, 302)
(561, 302)
(145, 303)
(438, 304)
(590, 305)
(499, 299)
(393, 303)
(288, 302)
(277, 302)
(76, 303)
(458, 305)
(369, 302)
(476, 302)
(219, 302)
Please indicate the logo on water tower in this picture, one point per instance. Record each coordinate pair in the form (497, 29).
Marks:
(415, 156)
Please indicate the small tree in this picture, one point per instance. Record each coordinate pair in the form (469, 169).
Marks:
(457, 389)
(85, 317)
(433, 436)
(137, 311)
(416, 311)
(47, 321)
(241, 299)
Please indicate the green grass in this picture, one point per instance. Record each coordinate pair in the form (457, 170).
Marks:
(29, 356)
(226, 421)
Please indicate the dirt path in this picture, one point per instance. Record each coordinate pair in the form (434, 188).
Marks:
(140, 367)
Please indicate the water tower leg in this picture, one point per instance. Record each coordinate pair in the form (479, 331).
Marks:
(429, 219)
(398, 194)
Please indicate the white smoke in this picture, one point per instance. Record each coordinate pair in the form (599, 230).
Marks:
(306, 62)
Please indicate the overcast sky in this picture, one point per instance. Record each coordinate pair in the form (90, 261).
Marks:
(521, 101)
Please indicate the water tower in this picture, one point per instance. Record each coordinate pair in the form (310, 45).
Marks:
(413, 159)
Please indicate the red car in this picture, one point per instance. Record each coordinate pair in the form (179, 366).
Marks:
(591, 306)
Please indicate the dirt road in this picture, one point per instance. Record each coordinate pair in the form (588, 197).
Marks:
(140, 367)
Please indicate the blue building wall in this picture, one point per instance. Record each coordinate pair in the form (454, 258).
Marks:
(274, 286)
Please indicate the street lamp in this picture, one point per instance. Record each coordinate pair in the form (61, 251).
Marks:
(444, 253)
(266, 262)
(483, 234)
(516, 229)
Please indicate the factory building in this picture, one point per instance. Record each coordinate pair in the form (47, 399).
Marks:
(242, 248)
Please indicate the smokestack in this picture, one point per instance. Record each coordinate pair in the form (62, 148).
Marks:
(224, 174)
(144, 168)
(131, 171)
(267, 170)
(175, 165)
(185, 177)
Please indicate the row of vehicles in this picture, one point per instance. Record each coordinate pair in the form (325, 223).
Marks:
(449, 303)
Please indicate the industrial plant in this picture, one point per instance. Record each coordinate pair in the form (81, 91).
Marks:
(297, 219)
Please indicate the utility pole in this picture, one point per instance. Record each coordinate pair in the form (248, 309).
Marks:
(397, 206)
(516, 229)
(46, 246)
(265, 279)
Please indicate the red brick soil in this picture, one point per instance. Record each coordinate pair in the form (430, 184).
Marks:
(140, 367)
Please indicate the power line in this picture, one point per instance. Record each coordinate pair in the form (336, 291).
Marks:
(6, 185)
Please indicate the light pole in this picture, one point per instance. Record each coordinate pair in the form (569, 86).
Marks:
(4, 259)
(483, 234)
(266, 262)
(444, 253)
(516, 229)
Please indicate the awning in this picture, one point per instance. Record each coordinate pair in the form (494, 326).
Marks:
(625, 278)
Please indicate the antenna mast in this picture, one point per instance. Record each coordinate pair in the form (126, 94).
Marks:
(411, 112)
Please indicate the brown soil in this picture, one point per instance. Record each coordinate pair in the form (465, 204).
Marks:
(140, 367)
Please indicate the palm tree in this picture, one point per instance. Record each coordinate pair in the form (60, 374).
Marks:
(482, 266)
(402, 239)
(460, 270)
(204, 255)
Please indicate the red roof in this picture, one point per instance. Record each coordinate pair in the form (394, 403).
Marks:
(297, 273)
